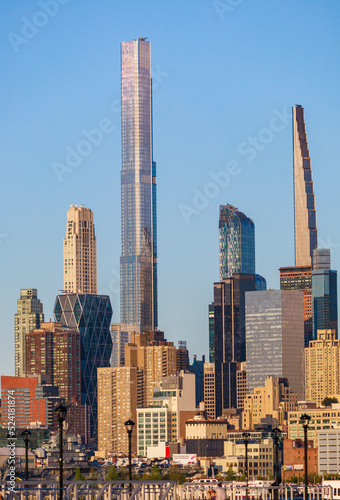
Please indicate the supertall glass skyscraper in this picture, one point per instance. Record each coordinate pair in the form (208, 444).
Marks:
(236, 242)
(306, 235)
(138, 263)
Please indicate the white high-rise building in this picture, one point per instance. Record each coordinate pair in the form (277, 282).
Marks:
(27, 319)
(80, 259)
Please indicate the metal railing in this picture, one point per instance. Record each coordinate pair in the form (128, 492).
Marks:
(192, 491)
(155, 490)
(90, 490)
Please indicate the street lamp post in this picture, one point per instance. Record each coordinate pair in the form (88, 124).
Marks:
(304, 420)
(129, 428)
(276, 436)
(61, 414)
(26, 435)
(246, 437)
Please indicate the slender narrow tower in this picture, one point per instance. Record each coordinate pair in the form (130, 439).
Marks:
(306, 235)
(138, 263)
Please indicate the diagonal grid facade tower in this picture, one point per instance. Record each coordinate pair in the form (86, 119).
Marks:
(138, 263)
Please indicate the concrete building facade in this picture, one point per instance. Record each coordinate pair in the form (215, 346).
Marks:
(306, 235)
(28, 318)
(117, 403)
(274, 398)
(322, 367)
(80, 254)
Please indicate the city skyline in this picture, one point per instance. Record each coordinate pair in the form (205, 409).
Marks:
(220, 137)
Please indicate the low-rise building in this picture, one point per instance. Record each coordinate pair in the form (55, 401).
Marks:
(173, 403)
(321, 419)
(274, 398)
(329, 451)
(293, 458)
(260, 457)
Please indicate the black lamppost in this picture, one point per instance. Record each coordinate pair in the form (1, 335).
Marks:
(26, 435)
(246, 437)
(304, 420)
(129, 428)
(276, 436)
(61, 414)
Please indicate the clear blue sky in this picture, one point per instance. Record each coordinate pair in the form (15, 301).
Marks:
(222, 71)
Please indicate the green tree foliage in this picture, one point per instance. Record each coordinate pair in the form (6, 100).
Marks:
(175, 474)
(112, 474)
(78, 476)
(230, 474)
(92, 474)
(328, 401)
(155, 474)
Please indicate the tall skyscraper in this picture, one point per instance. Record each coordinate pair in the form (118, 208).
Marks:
(275, 338)
(306, 235)
(28, 318)
(236, 242)
(300, 278)
(90, 315)
(228, 335)
(80, 260)
(325, 293)
(138, 263)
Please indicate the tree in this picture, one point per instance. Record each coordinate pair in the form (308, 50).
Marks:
(230, 474)
(78, 476)
(175, 475)
(155, 474)
(328, 401)
(93, 474)
(112, 474)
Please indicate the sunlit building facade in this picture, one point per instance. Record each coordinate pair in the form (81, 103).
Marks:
(300, 278)
(117, 403)
(322, 367)
(306, 235)
(28, 318)
(80, 259)
(138, 263)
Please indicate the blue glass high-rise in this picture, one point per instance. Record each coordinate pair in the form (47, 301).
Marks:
(236, 242)
(324, 293)
(138, 263)
(90, 315)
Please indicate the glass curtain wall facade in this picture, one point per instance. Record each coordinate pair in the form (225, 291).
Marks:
(229, 335)
(306, 235)
(325, 301)
(90, 315)
(138, 263)
(300, 278)
(236, 242)
(275, 338)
